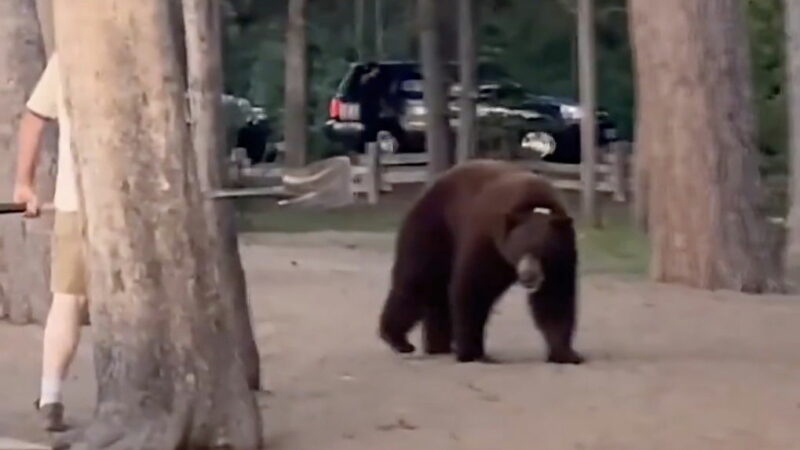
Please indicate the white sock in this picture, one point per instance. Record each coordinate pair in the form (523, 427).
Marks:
(51, 391)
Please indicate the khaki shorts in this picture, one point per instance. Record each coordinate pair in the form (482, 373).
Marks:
(67, 263)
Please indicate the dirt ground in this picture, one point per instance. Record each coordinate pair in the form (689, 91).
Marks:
(669, 368)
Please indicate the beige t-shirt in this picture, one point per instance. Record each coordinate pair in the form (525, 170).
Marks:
(47, 101)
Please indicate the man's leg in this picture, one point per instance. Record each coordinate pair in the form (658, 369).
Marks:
(61, 336)
(65, 318)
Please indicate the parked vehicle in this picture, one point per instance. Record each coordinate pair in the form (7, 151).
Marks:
(569, 113)
(545, 124)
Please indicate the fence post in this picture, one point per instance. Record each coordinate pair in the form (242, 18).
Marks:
(640, 189)
(373, 173)
(619, 170)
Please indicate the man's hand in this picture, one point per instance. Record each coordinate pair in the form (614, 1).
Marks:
(24, 193)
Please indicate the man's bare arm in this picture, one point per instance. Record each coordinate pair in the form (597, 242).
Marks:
(31, 128)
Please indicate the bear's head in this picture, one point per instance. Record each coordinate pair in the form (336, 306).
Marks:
(538, 242)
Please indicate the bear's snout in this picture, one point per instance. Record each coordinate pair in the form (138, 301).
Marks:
(529, 273)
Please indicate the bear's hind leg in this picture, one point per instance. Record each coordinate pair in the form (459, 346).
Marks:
(400, 313)
(422, 262)
(437, 327)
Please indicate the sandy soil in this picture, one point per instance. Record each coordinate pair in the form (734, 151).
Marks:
(669, 368)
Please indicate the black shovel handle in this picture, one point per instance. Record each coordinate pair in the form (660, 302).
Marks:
(12, 208)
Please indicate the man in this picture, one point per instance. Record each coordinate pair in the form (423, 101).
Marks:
(371, 87)
(68, 272)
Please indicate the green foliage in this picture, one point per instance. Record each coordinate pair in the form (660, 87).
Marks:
(255, 54)
(254, 37)
(533, 42)
(765, 22)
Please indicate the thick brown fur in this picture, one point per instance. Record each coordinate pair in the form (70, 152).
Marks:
(456, 254)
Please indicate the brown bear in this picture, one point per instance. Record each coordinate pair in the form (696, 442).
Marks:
(481, 227)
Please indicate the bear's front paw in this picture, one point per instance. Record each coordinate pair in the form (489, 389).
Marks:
(399, 345)
(566, 357)
(403, 347)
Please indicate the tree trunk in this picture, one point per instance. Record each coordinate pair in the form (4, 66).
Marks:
(447, 24)
(792, 257)
(296, 82)
(645, 26)
(166, 376)
(44, 10)
(380, 26)
(467, 126)
(696, 131)
(588, 96)
(24, 244)
(366, 17)
(202, 23)
(437, 135)
(360, 28)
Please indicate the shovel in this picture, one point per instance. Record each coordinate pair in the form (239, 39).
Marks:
(19, 208)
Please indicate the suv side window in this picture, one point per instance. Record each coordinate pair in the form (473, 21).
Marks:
(410, 88)
(410, 83)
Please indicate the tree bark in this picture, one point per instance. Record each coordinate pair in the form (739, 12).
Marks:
(202, 23)
(792, 256)
(437, 133)
(380, 26)
(296, 83)
(447, 26)
(166, 376)
(467, 126)
(24, 244)
(44, 10)
(366, 26)
(644, 26)
(696, 132)
(360, 31)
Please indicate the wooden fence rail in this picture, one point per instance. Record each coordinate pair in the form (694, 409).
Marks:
(375, 173)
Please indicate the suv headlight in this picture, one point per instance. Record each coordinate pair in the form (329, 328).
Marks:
(571, 112)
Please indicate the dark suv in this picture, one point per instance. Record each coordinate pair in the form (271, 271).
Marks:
(568, 112)
(545, 124)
